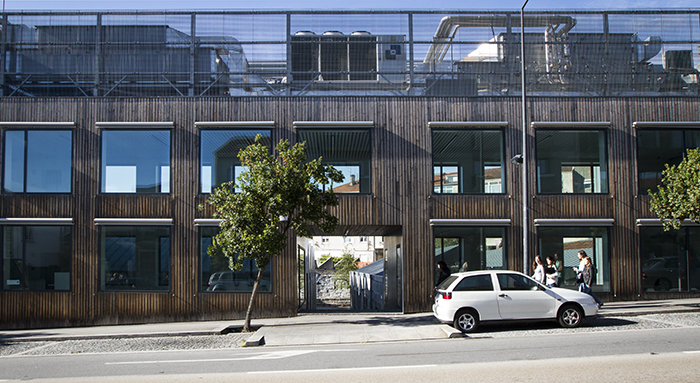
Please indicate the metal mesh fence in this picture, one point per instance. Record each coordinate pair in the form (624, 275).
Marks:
(195, 54)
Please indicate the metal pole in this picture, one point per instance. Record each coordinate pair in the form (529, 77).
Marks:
(525, 157)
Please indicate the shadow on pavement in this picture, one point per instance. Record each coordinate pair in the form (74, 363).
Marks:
(546, 325)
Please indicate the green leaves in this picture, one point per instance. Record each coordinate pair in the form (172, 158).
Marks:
(678, 197)
(277, 192)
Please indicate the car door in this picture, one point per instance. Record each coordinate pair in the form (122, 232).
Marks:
(477, 291)
(522, 298)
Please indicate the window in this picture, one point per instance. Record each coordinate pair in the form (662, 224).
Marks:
(37, 161)
(216, 275)
(219, 154)
(36, 258)
(348, 150)
(510, 282)
(571, 161)
(670, 259)
(467, 161)
(135, 258)
(656, 148)
(565, 242)
(475, 283)
(480, 248)
(135, 161)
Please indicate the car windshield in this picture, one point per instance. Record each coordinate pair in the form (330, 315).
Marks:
(447, 282)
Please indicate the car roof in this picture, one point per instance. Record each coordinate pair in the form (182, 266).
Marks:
(481, 272)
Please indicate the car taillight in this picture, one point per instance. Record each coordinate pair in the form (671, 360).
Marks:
(447, 295)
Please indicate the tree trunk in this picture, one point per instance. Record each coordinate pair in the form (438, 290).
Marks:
(256, 285)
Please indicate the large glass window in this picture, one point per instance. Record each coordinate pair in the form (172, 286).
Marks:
(469, 248)
(219, 154)
(571, 161)
(656, 148)
(36, 258)
(670, 259)
(135, 161)
(468, 161)
(217, 276)
(37, 161)
(135, 258)
(564, 243)
(348, 150)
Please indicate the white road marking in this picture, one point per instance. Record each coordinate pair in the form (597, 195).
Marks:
(345, 369)
(263, 356)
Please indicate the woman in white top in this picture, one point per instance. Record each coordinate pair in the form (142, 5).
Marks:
(579, 270)
(539, 270)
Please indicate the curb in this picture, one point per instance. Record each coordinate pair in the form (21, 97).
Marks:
(451, 332)
(648, 312)
(62, 338)
(257, 339)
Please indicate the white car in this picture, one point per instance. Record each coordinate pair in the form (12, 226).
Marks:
(467, 299)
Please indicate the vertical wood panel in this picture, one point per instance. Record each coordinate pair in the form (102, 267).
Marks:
(401, 194)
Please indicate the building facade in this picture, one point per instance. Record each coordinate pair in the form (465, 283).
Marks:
(117, 126)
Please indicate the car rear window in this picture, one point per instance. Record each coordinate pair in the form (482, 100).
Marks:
(475, 283)
(447, 282)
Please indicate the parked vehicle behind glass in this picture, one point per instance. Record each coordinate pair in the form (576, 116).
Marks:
(464, 300)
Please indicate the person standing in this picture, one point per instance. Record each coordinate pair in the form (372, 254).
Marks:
(539, 274)
(579, 270)
(551, 273)
(444, 272)
(559, 264)
(587, 274)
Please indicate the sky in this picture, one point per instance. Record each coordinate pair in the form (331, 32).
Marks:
(59, 5)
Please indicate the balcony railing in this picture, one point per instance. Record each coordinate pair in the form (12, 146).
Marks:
(461, 53)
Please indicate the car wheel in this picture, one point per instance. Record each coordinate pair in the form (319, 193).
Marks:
(466, 320)
(662, 284)
(570, 316)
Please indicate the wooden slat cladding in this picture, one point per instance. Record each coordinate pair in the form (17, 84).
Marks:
(572, 206)
(35, 205)
(496, 206)
(401, 198)
(130, 206)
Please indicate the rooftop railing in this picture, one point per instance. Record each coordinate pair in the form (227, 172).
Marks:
(379, 53)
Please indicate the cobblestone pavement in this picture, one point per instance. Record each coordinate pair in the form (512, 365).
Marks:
(235, 340)
(170, 343)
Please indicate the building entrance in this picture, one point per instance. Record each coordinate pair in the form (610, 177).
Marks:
(354, 272)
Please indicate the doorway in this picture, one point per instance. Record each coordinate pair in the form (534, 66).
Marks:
(358, 271)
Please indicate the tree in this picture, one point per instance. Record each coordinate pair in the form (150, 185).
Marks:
(678, 197)
(345, 264)
(275, 193)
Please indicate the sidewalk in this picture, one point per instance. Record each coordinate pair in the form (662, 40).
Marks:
(318, 328)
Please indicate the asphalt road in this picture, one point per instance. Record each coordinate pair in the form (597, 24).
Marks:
(667, 348)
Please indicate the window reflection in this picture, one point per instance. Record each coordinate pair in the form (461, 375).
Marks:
(656, 148)
(670, 259)
(348, 150)
(136, 161)
(216, 276)
(135, 258)
(38, 161)
(564, 243)
(219, 154)
(571, 162)
(469, 248)
(36, 258)
(467, 161)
